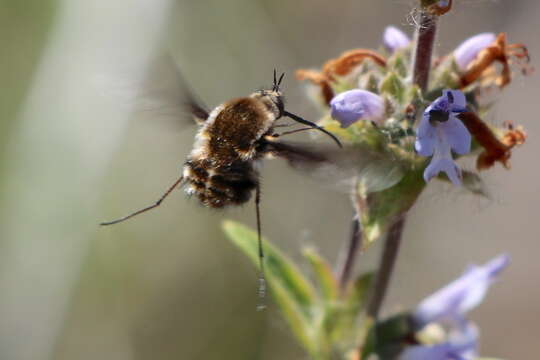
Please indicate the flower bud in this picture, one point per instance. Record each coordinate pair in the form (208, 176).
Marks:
(350, 106)
(467, 51)
(395, 39)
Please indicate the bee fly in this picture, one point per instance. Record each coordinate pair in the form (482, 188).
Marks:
(221, 169)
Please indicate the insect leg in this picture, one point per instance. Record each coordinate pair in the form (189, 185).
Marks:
(156, 204)
(313, 125)
(262, 278)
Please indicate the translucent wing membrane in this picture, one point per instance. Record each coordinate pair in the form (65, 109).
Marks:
(164, 94)
(339, 167)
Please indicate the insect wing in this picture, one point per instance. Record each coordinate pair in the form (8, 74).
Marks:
(165, 94)
(340, 166)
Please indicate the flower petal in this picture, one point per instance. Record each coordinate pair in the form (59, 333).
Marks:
(461, 295)
(457, 135)
(466, 52)
(425, 137)
(457, 100)
(462, 344)
(353, 105)
(419, 352)
(395, 39)
(445, 164)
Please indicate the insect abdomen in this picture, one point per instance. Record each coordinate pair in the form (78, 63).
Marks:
(219, 186)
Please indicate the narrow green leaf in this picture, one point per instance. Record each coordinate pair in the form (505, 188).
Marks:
(342, 320)
(358, 293)
(280, 271)
(323, 274)
(299, 324)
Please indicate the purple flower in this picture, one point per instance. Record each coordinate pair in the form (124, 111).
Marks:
(449, 306)
(461, 344)
(395, 39)
(461, 295)
(440, 132)
(350, 106)
(466, 52)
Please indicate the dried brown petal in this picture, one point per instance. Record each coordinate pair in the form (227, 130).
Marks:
(340, 66)
(318, 79)
(494, 149)
(500, 52)
(349, 60)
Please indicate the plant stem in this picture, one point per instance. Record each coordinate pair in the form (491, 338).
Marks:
(350, 253)
(386, 267)
(425, 38)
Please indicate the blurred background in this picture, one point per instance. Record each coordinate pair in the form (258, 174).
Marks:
(169, 285)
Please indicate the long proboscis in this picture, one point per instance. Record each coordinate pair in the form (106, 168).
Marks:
(313, 125)
(156, 204)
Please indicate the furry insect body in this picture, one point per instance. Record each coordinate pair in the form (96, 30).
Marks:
(221, 169)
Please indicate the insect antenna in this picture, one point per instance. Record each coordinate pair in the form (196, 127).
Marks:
(156, 204)
(277, 83)
(262, 277)
(313, 125)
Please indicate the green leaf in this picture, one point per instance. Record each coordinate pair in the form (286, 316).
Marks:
(341, 321)
(292, 292)
(383, 207)
(398, 63)
(393, 85)
(323, 274)
(279, 269)
(357, 295)
(300, 326)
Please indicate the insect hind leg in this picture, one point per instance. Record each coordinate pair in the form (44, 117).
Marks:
(262, 277)
(156, 204)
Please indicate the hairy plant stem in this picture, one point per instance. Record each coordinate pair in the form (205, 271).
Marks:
(386, 267)
(425, 38)
(350, 253)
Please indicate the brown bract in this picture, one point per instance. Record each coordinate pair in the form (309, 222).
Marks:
(495, 149)
(341, 66)
(503, 53)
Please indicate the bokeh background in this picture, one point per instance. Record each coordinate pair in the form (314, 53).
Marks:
(168, 285)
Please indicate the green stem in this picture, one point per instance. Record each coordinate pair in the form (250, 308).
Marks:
(386, 267)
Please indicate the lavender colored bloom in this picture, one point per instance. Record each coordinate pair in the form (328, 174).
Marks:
(461, 344)
(350, 106)
(449, 305)
(467, 51)
(440, 132)
(461, 295)
(395, 39)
